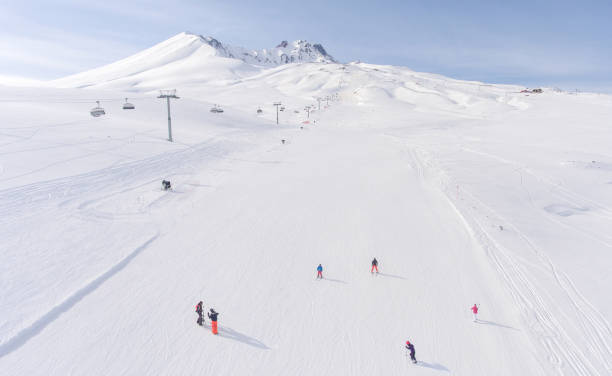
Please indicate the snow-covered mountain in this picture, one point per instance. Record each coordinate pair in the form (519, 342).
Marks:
(188, 57)
(212, 71)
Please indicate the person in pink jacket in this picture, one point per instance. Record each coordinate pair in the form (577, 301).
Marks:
(475, 311)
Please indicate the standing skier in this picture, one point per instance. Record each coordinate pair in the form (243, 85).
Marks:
(320, 271)
(374, 265)
(212, 315)
(199, 312)
(410, 347)
(475, 311)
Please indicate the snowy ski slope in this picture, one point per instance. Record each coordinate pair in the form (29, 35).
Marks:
(465, 192)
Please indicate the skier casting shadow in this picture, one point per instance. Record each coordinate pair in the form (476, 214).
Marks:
(212, 315)
(374, 266)
(319, 272)
(410, 347)
(475, 311)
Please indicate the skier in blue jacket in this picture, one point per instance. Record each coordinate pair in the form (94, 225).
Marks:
(320, 271)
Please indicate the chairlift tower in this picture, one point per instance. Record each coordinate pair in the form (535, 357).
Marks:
(319, 100)
(168, 94)
(277, 104)
(307, 108)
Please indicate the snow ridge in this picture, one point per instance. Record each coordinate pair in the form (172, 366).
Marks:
(26, 334)
(299, 51)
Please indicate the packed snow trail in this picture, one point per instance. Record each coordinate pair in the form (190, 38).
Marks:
(542, 219)
(249, 247)
(465, 192)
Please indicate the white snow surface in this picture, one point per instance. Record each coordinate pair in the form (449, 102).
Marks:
(465, 192)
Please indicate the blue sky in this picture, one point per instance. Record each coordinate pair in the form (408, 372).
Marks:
(567, 44)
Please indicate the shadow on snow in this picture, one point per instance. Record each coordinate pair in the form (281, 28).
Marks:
(435, 366)
(230, 333)
(334, 280)
(485, 322)
(391, 275)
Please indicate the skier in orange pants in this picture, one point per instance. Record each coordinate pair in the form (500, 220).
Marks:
(212, 315)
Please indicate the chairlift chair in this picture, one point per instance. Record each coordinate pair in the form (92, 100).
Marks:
(216, 109)
(97, 111)
(128, 106)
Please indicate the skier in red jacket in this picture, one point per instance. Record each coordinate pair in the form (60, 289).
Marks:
(475, 311)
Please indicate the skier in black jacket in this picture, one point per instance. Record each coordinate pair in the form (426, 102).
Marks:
(199, 311)
(212, 315)
(374, 265)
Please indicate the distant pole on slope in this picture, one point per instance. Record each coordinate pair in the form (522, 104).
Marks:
(319, 100)
(168, 94)
(277, 104)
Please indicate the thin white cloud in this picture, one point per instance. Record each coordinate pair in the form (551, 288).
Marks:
(17, 81)
(59, 52)
(49, 50)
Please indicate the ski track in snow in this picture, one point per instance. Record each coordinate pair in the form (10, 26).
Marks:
(26, 198)
(562, 349)
(39, 325)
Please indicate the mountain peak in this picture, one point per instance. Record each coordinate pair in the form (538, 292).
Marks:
(193, 50)
(299, 51)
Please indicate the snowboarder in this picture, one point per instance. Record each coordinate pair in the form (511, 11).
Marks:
(212, 315)
(374, 265)
(410, 347)
(475, 311)
(199, 311)
(166, 185)
(320, 271)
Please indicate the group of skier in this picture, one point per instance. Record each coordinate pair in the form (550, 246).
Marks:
(374, 267)
(409, 346)
(212, 315)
